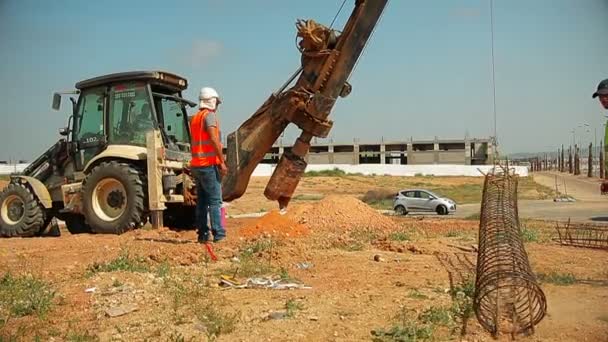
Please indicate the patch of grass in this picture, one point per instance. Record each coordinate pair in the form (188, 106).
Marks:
(399, 236)
(5, 178)
(462, 303)
(454, 233)
(405, 329)
(80, 337)
(473, 217)
(24, 295)
(437, 316)
(308, 197)
(257, 246)
(292, 306)
(163, 270)
(124, 262)
(366, 235)
(335, 172)
(557, 278)
(529, 234)
(216, 321)
(416, 294)
(529, 189)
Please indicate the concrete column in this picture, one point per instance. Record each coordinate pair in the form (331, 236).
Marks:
(410, 153)
(356, 154)
(490, 151)
(467, 152)
(382, 153)
(436, 152)
(330, 150)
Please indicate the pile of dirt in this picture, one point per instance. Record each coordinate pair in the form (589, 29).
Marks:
(342, 213)
(274, 224)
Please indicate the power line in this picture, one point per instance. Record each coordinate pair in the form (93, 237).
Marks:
(493, 68)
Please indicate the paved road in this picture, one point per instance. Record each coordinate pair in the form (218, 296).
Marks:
(590, 205)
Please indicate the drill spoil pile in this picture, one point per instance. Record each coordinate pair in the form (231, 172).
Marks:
(341, 213)
(276, 225)
(507, 298)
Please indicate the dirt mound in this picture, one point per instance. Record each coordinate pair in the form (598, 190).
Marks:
(274, 224)
(342, 213)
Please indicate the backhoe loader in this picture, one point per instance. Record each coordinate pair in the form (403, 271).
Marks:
(123, 158)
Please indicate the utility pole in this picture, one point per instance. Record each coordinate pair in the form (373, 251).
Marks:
(602, 174)
(570, 168)
(590, 162)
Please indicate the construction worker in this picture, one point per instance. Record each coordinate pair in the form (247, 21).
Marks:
(602, 93)
(208, 165)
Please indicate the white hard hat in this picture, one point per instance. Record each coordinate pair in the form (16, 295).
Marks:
(208, 93)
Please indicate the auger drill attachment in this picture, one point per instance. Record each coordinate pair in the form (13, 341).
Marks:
(328, 58)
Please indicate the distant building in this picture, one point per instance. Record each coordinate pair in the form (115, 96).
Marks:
(413, 152)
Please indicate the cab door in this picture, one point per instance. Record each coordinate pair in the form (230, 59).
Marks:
(89, 137)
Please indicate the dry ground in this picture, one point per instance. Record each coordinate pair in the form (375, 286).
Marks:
(175, 288)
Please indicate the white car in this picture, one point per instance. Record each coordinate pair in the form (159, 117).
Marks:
(412, 200)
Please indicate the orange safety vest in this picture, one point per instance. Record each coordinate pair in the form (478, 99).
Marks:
(203, 153)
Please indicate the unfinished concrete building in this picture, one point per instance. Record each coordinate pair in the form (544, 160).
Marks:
(413, 152)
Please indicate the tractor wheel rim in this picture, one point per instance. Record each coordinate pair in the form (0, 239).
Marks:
(109, 199)
(13, 209)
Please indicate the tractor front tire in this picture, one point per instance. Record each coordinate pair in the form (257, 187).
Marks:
(114, 198)
(20, 212)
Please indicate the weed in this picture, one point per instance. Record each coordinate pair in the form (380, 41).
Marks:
(326, 173)
(80, 337)
(405, 329)
(454, 233)
(116, 283)
(399, 236)
(437, 316)
(164, 269)
(216, 321)
(308, 197)
(176, 337)
(256, 247)
(124, 262)
(462, 302)
(557, 278)
(292, 306)
(529, 234)
(415, 294)
(473, 217)
(24, 295)
(365, 235)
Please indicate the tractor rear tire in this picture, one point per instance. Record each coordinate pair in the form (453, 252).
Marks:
(114, 198)
(20, 212)
(76, 224)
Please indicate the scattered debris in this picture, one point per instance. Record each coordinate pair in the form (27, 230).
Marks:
(91, 290)
(378, 258)
(121, 310)
(277, 315)
(267, 283)
(313, 318)
(304, 265)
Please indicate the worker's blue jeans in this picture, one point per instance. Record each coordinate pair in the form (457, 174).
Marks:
(209, 192)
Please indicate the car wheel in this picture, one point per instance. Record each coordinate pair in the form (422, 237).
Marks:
(400, 210)
(442, 210)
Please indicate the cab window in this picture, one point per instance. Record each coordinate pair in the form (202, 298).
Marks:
(89, 120)
(131, 115)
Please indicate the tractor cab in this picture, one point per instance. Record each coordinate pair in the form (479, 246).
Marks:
(117, 111)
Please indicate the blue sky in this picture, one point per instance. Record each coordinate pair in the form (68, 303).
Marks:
(425, 73)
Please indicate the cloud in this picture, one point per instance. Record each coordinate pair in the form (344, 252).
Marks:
(202, 52)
